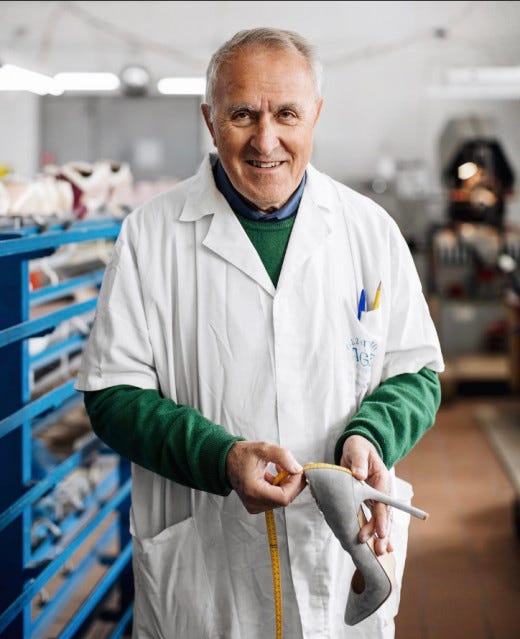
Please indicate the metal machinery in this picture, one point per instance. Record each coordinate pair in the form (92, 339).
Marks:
(473, 255)
(474, 258)
(64, 540)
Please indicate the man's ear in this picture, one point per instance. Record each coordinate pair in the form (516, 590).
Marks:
(206, 112)
(319, 106)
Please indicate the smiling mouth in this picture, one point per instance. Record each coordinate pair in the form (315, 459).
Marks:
(264, 165)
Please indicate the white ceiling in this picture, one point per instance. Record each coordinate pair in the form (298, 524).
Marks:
(179, 37)
(380, 61)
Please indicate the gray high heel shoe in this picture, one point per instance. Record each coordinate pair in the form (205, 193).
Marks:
(339, 495)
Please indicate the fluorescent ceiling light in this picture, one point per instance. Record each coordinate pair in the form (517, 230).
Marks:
(14, 78)
(475, 92)
(87, 81)
(182, 86)
(484, 76)
(491, 83)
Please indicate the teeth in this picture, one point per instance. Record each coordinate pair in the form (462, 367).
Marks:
(264, 165)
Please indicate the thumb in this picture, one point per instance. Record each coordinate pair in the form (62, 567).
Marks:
(359, 466)
(284, 459)
(355, 456)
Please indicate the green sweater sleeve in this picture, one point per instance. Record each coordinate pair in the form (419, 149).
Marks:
(396, 415)
(170, 439)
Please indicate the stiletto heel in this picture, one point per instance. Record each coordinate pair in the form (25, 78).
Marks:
(339, 496)
(367, 492)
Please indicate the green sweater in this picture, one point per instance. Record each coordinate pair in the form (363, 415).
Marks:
(179, 443)
(270, 239)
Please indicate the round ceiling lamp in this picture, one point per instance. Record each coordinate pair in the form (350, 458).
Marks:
(135, 80)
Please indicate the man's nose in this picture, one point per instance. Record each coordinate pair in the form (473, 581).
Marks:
(265, 137)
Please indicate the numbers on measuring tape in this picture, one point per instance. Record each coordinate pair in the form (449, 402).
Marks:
(275, 567)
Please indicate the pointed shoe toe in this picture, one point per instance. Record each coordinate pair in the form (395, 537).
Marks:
(339, 495)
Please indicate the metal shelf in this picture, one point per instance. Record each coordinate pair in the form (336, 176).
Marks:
(36, 542)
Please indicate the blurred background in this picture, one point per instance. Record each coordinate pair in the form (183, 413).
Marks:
(100, 110)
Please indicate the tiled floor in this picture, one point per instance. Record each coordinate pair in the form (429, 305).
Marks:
(462, 578)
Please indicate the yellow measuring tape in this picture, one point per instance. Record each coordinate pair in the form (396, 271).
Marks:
(275, 567)
(273, 546)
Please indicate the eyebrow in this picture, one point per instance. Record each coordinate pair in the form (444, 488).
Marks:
(233, 108)
(289, 106)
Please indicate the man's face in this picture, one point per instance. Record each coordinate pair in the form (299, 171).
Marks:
(264, 112)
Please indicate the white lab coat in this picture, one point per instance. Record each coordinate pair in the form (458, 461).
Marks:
(187, 307)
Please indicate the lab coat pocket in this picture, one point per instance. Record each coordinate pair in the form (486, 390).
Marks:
(371, 321)
(365, 345)
(173, 598)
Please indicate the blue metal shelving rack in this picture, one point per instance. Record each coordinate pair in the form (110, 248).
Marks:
(25, 570)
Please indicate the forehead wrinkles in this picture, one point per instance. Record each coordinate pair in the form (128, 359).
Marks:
(255, 72)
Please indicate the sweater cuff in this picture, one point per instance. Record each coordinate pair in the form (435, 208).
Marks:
(222, 454)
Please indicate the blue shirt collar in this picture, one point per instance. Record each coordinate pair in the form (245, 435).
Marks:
(241, 207)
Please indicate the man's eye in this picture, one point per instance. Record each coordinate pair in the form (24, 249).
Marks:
(242, 117)
(287, 115)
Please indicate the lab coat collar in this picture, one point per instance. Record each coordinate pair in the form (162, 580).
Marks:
(203, 196)
(225, 235)
(205, 199)
(321, 191)
(227, 238)
(313, 224)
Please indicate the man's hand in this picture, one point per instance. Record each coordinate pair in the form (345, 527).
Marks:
(361, 457)
(246, 467)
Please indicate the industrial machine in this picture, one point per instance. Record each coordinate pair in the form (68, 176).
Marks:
(473, 256)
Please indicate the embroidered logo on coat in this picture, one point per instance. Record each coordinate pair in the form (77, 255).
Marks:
(364, 352)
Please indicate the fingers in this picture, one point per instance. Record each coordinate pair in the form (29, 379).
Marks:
(282, 458)
(361, 456)
(358, 453)
(265, 496)
(381, 518)
(247, 470)
(359, 466)
(378, 529)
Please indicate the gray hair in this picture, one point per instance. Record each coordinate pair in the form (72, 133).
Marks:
(270, 38)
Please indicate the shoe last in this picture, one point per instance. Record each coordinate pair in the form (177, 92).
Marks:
(41, 196)
(90, 185)
(120, 180)
(339, 496)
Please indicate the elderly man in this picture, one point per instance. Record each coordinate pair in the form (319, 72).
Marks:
(256, 317)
